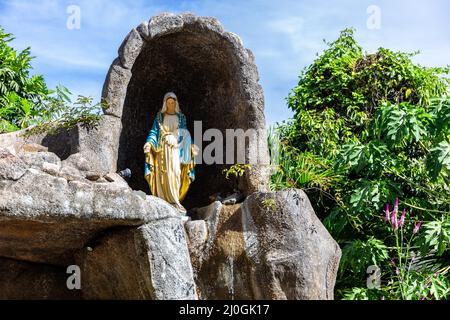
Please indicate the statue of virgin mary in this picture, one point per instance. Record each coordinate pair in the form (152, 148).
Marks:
(169, 154)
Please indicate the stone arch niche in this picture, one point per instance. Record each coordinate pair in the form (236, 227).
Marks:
(216, 82)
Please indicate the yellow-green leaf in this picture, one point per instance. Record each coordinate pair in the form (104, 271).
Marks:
(408, 93)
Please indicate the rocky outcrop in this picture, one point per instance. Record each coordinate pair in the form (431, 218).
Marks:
(62, 201)
(60, 217)
(272, 246)
(148, 262)
(133, 246)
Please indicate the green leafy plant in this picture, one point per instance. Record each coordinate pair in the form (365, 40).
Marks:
(437, 236)
(269, 204)
(237, 170)
(368, 128)
(358, 255)
(25, 100)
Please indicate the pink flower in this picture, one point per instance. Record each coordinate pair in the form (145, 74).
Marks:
(402, 219)
(387, 217)
(417, 227)
(394, 221)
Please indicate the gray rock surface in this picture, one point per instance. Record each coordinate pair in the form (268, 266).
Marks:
(164, 24)
(45, 218)
(130, 49)
(116, 179)
(148, 262)
(31, 147)
(51, 168)
(101, 144)
(77, 161)
(197, 237)
(115, 88)
(272, 246)
(299, 258)
(37, 159)
(129, 245)
(11, 167)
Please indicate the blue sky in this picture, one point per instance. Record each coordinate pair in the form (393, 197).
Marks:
(283, 35)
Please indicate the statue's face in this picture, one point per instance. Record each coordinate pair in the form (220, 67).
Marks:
(170, 103)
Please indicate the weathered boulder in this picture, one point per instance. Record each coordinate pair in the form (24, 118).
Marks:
(272, 246)
(50, 219)
(31, 148)
(77, 161)
(116, 179)
(45, 218)
(148, 262)
(11, 167)
(37, 159)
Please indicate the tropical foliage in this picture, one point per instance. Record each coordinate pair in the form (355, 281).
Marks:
(367, 129)
(26, 101)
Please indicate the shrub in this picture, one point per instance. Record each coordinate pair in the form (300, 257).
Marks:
(26, 101)
(369, 128)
